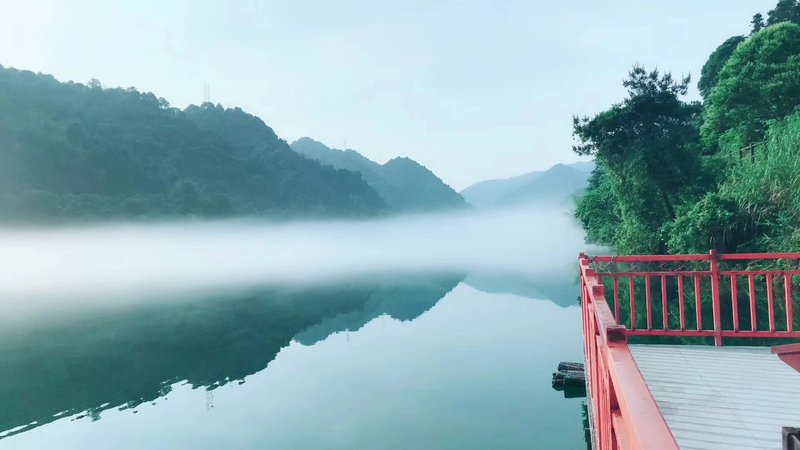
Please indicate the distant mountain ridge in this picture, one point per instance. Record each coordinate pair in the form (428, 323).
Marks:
(484, 193)
(74, 152)
(555, 185)
(404, 184)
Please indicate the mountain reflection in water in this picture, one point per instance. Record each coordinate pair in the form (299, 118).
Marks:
(57, 368)
(447, 360)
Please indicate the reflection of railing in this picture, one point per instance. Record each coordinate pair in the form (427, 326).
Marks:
(624, 413)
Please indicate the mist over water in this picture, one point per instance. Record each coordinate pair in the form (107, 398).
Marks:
(119, 335)
(81, 266)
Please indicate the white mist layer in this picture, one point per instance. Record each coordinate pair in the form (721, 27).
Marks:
(118, 261)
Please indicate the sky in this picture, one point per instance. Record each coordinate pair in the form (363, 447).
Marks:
(473, 90)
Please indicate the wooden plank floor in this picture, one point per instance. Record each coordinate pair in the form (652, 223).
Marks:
(721, 397)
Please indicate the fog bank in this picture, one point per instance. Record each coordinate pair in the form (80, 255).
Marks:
(124, 260)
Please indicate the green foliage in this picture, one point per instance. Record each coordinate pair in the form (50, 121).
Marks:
(757, 206)
(768, 191)
(647, 145)
(70, 151)
(710, 72)
(751, 88)
(757, 24)
(785, 11)
(597, 209)
(759, 82)
(714, 222)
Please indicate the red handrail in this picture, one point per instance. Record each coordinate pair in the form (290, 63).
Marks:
(624, 414)
(726, 320)
(698, 257)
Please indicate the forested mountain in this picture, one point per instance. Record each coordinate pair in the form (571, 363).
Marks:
(72, 151)
(486, 193)
(671, 176)
(404, 184)
(555, 186)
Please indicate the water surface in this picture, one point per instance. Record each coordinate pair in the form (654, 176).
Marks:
(349, 348)
(470, 372)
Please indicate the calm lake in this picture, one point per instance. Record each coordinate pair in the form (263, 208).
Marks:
(450, 359)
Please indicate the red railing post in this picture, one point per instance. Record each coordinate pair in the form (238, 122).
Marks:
(715, 297)
(632, 298)
(770, 303)
(616, 300)
(787, 287)
(664, 307)
(735, 303)
(698, 303)
(649, 300)
(681, 306)
(751, 289)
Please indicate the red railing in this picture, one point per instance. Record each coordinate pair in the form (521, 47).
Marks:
(624, 414)
(726, 318)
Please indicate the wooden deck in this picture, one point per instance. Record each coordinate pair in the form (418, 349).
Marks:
(721, 397)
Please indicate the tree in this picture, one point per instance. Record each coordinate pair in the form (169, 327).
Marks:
(757, 23)
(647, 145)
(785, 11)
(713, 222)
(597, 209)
(759, 82)
(756, 207)
(716, 61)
(75, 133)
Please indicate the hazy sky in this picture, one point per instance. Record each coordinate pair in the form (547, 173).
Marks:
(471, 89)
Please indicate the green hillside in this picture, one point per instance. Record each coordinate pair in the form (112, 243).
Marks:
(404, 184)
(70, 151)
